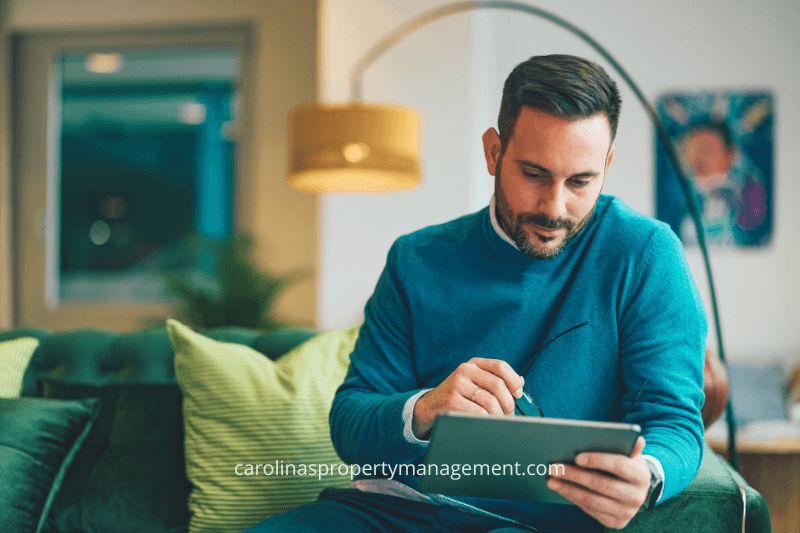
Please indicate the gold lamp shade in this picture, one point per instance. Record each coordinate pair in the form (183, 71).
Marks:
(353, 148)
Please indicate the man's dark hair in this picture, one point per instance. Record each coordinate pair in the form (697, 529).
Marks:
(720, 127)
(567, 86)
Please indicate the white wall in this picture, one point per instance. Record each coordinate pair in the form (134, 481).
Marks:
(430, 72)
(664, 45)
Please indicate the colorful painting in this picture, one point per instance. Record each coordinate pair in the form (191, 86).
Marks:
(725, 143)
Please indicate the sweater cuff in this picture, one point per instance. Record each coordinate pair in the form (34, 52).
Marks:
(408, 419)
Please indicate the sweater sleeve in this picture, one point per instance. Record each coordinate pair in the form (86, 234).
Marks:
(663, 331)
(366, 417)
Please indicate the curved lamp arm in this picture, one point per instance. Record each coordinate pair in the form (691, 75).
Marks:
(435, 14)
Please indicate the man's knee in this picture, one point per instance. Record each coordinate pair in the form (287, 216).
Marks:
(299, 519)
(316, 517)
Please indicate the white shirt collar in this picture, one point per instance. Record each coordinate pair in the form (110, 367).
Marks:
(496, 226)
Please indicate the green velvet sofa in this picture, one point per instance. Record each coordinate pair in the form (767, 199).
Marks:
(718, 500)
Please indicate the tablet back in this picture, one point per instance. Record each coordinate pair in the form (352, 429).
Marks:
(508, 457)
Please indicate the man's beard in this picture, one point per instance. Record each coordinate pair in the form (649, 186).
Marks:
(515, 229)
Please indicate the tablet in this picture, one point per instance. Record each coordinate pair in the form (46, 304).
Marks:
(509, 457)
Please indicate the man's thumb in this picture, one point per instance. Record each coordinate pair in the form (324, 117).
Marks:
(638, 447)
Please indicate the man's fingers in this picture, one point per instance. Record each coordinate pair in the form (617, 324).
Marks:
(605, 510)
(468, 389)
(638, 447)
(614, 463)
(489, 384)
(485, 399)
(589, 501)
(606, 519)
(494, 386)
(612, 499)
(463, 405)
(501, 369)
(602, 484)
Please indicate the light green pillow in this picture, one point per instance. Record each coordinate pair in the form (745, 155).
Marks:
(241, 408)
(14, 358)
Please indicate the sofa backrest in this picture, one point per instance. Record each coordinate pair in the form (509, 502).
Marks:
(98, 357)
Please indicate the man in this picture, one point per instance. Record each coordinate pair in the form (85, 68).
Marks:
(460, 305)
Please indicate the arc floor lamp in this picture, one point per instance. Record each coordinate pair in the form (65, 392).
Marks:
(360, 147)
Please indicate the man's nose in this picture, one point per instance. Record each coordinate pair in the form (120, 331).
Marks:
(552, 202)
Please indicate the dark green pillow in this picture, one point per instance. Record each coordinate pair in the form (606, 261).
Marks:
(130, 474)
(38, 441)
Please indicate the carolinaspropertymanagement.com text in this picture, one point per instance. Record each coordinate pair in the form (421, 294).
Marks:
(454, 471)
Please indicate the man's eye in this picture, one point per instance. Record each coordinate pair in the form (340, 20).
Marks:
(580, 183)
(533, 176)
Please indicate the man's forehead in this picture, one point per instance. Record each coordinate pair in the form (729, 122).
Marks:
(535, 124)
(530, 114)
(548, 139)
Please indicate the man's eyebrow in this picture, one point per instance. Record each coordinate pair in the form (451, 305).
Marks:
(535, 166)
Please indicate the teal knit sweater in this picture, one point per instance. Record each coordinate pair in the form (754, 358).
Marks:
(457, 290)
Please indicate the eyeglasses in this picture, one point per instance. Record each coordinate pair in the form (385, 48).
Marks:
(526, 405)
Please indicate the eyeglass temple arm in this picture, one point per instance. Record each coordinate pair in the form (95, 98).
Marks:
(636, 398)
(535, 356)
(519, 402)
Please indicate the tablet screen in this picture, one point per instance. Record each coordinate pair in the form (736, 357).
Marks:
(512, 457)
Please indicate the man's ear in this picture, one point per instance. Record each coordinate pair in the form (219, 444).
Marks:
(609, 159)
(491, 149)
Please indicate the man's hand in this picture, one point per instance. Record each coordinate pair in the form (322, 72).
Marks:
(607, 486)
(479, 386)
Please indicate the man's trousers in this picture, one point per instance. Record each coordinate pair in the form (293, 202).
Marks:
(353, 510)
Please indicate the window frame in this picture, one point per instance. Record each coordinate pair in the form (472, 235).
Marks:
(36, 170)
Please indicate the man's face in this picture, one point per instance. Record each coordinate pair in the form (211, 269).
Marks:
(549, 178)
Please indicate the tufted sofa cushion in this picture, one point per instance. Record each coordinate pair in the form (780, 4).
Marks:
(96, 357)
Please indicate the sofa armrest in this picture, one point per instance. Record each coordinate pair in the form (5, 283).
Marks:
(715, 499)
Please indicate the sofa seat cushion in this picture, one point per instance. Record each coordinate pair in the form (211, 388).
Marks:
(241, 409)
(38, 441)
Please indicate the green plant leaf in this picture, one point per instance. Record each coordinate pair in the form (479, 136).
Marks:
(236, 292)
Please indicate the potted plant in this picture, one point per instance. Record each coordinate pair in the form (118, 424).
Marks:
(228, 288)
